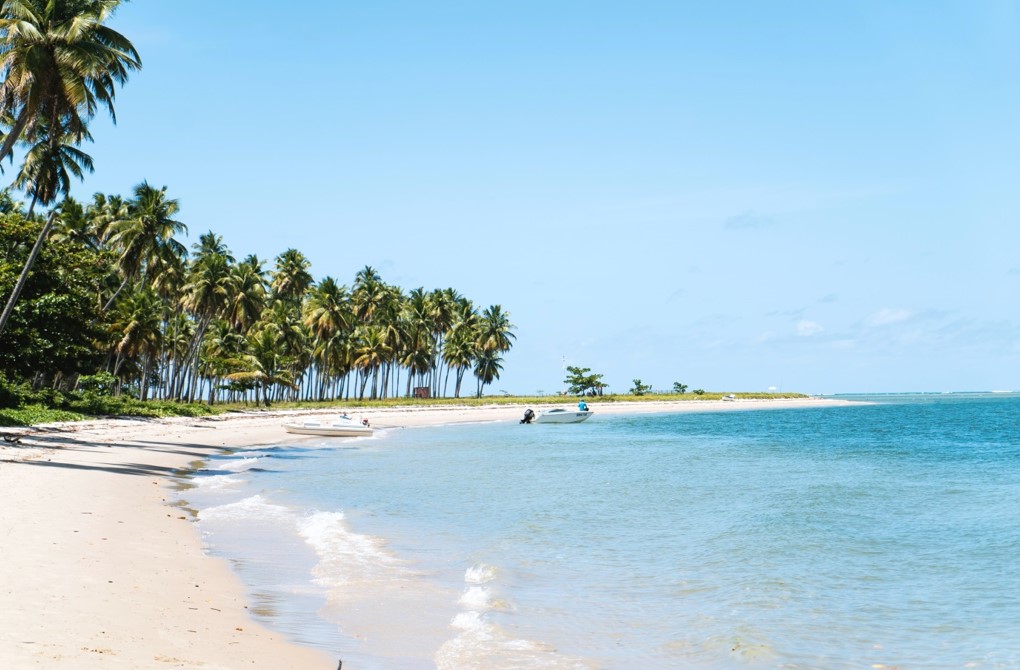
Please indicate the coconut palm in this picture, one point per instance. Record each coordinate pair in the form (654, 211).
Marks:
(294, 337)
(291, 278)
(60, 64)
(416, 351)
(371, 351)
(137, 323)
(329, 320)
(459, 350)
(367, 293)
(441, 309)
(205, 297)
(103, 212)
(150, 226)
(488, 365)
(49, 165)
(328, 310)
(248, 294)
(267, 363)
(222, 353)
(496, 331)
(387, 318)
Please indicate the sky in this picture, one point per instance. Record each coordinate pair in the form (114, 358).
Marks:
(738, 196)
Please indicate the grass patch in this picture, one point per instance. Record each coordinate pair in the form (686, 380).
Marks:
(31, 415)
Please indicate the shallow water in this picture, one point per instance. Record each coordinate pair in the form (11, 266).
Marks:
(842, 537)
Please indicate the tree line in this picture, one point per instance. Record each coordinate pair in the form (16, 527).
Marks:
(116, 291)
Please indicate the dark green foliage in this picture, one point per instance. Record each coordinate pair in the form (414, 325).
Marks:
(101, 384)
(639, 388)
(581, 381)
(55, 323)
(31, 415)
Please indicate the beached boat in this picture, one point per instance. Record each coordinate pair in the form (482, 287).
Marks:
(562, 416)
(344, 426)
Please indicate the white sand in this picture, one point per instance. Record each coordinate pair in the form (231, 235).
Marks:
(99, 570)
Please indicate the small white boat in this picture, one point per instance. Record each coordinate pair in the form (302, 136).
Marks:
(730, 397)
(344, 426)
(562, 416)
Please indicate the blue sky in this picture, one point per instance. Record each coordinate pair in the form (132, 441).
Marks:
(819, 197)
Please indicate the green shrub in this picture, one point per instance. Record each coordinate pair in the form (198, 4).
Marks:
(101, 384)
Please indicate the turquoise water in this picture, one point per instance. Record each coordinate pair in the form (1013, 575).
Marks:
(885, 534)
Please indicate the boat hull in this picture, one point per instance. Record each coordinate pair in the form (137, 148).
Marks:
(327, 430)
(563, 417)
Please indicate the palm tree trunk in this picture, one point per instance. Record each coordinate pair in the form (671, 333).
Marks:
(14, 135)
(23, 279)
(114, 296)
(196, 354)
(144, 386)
(31, 208)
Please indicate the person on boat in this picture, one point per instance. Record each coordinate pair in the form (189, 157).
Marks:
(582, 406)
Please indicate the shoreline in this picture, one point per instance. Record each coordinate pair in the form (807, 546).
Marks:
(103, 570)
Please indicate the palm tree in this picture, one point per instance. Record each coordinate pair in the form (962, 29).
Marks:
(368, 291)
(60, 64)
(487, 368)
(496, 331)
(329, 319)
(140, 237)
(103, 212)
(205, 297)
(291, 278)
(267, 363)
(327, 310)
(294, 337)
(441, 310)
(459, 350)
(222, 353)
(371, 351)
(137, 324)
(48, 168)
(416, 352)
(247, 297)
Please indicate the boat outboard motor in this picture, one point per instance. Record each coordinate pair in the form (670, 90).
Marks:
(528, 416)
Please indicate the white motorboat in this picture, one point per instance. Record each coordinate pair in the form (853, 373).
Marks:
(344, 426)
(563, 416)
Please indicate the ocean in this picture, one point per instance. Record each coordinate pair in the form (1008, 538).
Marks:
(879, 535)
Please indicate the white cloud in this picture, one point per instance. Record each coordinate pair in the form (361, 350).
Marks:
(887, 316)
(807, 328)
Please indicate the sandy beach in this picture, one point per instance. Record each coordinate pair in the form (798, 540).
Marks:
(100, 568)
